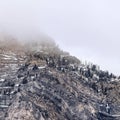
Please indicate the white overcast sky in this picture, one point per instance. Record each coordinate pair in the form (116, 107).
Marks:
(88, 29)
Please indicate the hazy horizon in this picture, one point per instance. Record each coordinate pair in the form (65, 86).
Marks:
(87, 29)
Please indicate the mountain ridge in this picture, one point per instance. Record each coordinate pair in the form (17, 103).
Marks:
(50, 84)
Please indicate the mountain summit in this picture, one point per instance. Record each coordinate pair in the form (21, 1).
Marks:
(39, 81)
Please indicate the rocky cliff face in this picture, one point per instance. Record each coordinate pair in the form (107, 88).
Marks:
(55, 86)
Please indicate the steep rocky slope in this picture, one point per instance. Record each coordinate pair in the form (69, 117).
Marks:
(52, 85)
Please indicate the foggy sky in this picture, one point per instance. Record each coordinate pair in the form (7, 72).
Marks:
(88, 29)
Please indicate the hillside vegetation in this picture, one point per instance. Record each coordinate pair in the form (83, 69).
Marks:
(39, 81)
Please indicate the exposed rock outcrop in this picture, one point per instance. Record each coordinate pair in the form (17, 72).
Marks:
(55, 86)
